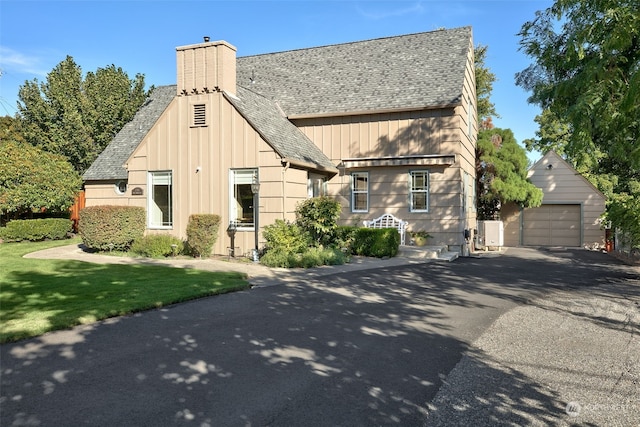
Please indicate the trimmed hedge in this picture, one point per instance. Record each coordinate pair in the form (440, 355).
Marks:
(376, 242)
(202, 233)
(157, 246)
(37, 229)
(111, 227)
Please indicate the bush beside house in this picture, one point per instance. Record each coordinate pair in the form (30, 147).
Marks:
(316, 239)
(202, 233)
(157, 246)
(111, 227)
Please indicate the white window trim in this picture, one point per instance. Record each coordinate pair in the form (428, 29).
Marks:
(427, 191)
(311, 178)
(353, 192)
(150, 203)
(233, 213)
(116, 186)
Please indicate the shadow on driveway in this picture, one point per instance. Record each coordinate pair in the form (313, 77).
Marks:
(358, 348)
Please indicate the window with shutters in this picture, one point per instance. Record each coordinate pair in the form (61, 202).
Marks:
(199, 115)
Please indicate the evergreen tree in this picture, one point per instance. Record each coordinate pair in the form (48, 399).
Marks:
(501, 171)
(77, 117)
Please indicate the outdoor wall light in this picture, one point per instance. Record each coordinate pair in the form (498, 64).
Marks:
(549, 166)
(231, 232)
(198, 169)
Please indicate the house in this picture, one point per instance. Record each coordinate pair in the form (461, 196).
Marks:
(384, 126)
(570, 214)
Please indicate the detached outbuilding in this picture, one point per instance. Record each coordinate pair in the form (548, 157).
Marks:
(570, 214)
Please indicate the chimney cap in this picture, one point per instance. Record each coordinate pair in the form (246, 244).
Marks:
(206, 39)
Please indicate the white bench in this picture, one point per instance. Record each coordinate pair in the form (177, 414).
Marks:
(389, 221)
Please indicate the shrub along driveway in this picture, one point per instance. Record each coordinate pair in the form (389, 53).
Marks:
(357, 348)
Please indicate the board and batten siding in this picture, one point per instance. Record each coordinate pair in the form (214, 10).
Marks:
(399, 134)
(200, 158)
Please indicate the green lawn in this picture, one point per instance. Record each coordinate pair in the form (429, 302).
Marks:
(37, 296)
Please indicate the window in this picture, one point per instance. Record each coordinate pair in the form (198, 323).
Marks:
(468, 193)
(199, 115)
(160, 200)
(316, 185)
(419, 191)
(241, 210)
(360, 192)
(120, 187)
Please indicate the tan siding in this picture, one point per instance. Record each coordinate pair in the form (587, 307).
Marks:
(227, 142)
(401, 134)
(562, 186)
(510, 216)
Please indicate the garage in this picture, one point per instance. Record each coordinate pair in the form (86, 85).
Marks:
(552, 225)
(570, 214)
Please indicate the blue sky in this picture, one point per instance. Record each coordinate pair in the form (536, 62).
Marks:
(141, 36)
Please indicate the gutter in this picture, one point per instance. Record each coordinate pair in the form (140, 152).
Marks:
(288, 161)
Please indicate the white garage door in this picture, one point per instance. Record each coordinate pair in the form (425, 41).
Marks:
(551, 225)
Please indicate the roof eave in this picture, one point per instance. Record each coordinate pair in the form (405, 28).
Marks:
(309, 165)
(370, 112)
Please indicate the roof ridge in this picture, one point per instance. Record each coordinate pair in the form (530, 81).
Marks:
(374, 39)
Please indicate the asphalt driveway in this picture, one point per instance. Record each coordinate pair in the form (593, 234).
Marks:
(387, 346)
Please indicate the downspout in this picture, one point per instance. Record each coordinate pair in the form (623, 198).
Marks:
(287, 164)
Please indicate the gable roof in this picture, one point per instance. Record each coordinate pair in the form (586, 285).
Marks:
(552, 159)
(415, 71)
(285, 138)
(409, 72)
(110, 163)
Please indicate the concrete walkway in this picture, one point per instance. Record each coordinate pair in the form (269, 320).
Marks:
(569, 358)
(257, 274)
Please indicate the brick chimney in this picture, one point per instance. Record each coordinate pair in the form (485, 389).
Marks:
(206, 67)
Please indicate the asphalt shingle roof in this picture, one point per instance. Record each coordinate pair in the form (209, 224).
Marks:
(412, 71)
(109, 164)
(286, 139)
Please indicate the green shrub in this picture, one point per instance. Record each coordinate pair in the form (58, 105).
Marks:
(202, 234)
(376, 242)
(278, 258)
(311, 257)
(37, 229)
(286, 236)
(319, 217)
(157, 246)
(345, 237)
(111, 227)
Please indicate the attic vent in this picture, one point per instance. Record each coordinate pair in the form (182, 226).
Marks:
(199, 115)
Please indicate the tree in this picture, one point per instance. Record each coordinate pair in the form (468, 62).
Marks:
(501, 170)
(78, 117)
(484, 85)
(552, 135)
(32, 180)
(10, 129)
(586, 73)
